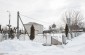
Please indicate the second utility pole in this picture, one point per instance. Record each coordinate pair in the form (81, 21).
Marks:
(18, 25)
(9, 24)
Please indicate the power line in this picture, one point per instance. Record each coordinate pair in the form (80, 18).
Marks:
(35, 19)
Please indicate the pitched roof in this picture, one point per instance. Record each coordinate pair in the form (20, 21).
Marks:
(31, 23)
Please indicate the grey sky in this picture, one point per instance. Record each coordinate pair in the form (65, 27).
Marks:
(48, 11)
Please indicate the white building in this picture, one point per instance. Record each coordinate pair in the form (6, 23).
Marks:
(38, 27)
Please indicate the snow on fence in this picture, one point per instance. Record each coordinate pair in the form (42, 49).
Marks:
(58, 38)
(3, 37)
(53, 39)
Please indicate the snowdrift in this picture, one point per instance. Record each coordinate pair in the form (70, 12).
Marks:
(75, 46)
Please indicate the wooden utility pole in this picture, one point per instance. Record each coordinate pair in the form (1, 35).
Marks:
(18, 32)
(9, 24)
(18, 25)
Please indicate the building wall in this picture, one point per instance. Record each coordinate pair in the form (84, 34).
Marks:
(38, 28)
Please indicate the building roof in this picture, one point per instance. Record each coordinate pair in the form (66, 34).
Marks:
(31, 23)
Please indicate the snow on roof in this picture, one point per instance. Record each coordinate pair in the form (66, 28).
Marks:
(31, 23)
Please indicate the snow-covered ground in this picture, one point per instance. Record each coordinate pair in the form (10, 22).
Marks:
(76, 46)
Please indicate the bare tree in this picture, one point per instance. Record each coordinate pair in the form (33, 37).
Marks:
(75, 17)
(74, 20)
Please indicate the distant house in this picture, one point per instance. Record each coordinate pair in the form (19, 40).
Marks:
(76, 28)
(38, 27)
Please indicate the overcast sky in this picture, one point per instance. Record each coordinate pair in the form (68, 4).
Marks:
(45, 12)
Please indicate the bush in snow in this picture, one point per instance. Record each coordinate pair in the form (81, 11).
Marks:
(66, 30)
(32, 33)
(11, 34)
